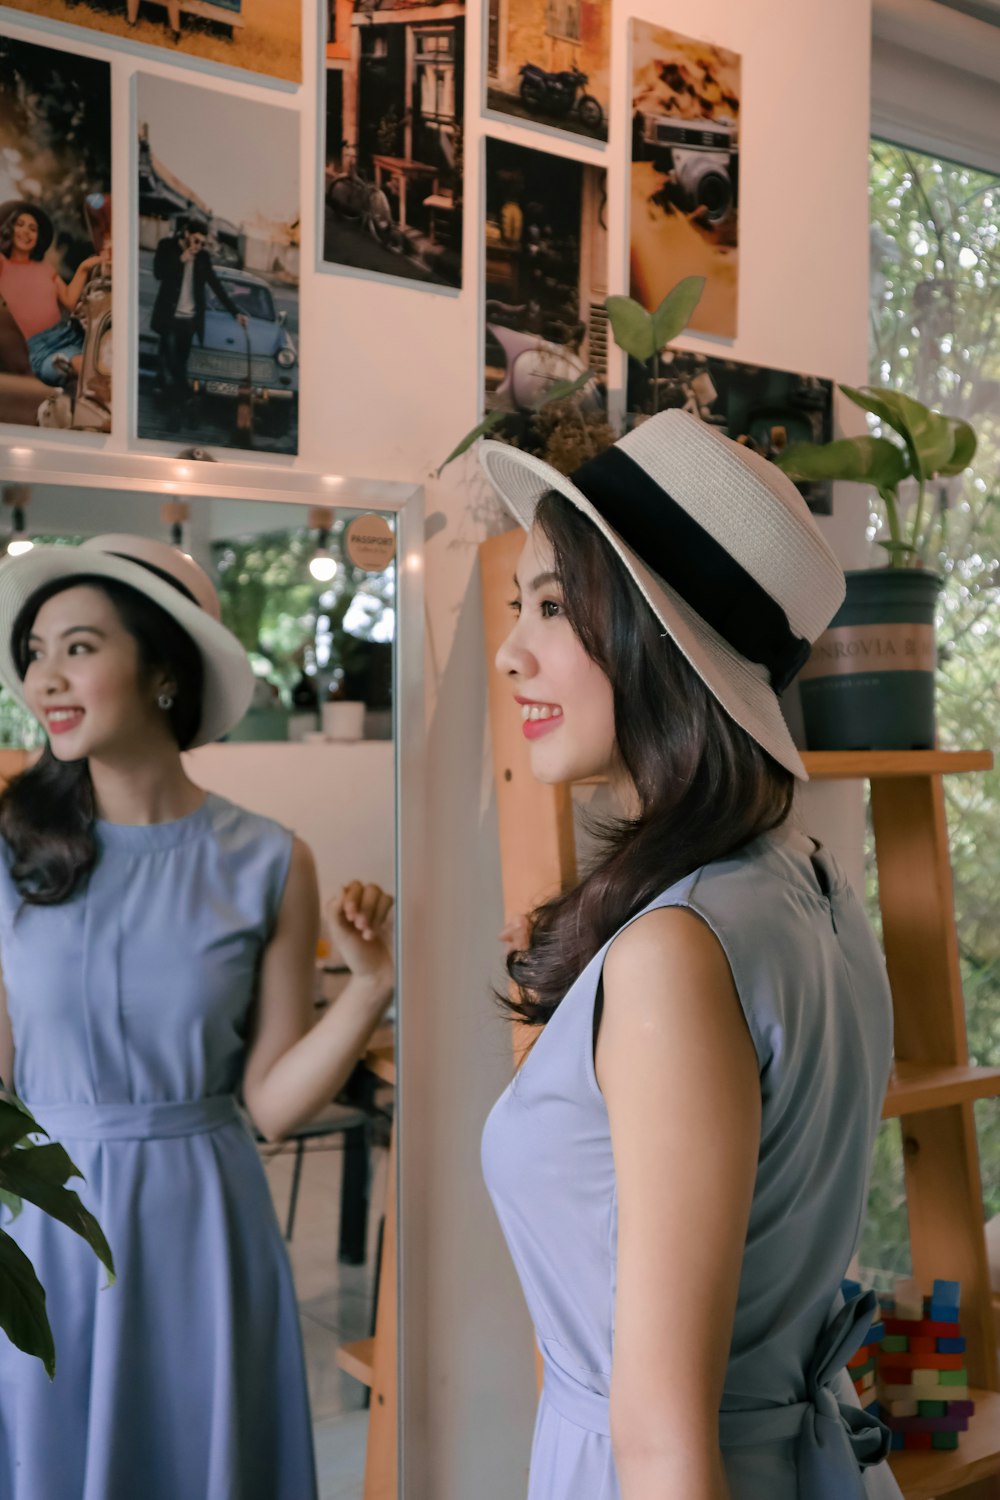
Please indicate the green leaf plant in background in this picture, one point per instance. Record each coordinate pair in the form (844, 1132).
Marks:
(932, 446)
(35, 1174)
(557, 416)
(644, 335)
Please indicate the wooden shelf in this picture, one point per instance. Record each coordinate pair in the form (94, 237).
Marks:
(925, 1476)
(866, 765)
(358, 1359)
(915, 1087)
(856, 765)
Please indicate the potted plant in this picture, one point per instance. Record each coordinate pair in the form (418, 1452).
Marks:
(558, 429)
(38, 1173)
(869, 683)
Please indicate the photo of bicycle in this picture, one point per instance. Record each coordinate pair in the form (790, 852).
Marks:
(55, 238)
(395, 83)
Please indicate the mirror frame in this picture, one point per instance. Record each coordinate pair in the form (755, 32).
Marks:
(28, 462)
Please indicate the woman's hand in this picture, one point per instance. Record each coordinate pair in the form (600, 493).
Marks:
(357, 917)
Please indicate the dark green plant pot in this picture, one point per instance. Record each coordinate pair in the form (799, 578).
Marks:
(869, 683)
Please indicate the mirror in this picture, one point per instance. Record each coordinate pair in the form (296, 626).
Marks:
(314, 595)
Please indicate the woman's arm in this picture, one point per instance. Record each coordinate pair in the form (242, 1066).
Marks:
(294, 1068)
(70, 295)
(679, 1074)
(6, 1042)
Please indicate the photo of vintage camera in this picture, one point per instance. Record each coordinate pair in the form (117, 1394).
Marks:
(698, 159)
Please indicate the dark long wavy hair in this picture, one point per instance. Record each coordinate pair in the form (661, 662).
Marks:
(47, 813)
(42, 223)
(705, 787)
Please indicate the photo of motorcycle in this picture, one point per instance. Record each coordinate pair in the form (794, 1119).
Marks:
(559, 95)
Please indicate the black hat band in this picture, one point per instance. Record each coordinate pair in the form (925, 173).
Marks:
(697, 566)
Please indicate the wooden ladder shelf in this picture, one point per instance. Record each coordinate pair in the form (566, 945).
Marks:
(933, 1085)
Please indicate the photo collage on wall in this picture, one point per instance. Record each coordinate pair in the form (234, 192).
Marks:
(55, 238)
(216, 356)
(262, 36)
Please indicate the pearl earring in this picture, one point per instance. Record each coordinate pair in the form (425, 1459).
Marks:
(165, 701)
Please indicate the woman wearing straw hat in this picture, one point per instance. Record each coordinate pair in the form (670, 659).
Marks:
(680, 1164)
(158, 947)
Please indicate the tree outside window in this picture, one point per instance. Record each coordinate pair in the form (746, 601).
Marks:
(935, 333)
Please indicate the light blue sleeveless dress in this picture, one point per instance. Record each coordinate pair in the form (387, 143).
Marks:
(130, 1005)
(813, 988)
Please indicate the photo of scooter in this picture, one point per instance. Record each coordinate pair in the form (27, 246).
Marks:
(532, 367)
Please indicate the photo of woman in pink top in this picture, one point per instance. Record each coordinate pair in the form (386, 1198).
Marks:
(38, 299)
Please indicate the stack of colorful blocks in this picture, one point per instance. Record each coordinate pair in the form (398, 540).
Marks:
(922, 1382)
(862, 1368)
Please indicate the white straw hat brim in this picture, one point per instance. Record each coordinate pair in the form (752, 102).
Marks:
(228, 675)
(742, 687)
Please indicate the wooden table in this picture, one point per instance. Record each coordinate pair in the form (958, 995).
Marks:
(402, 169)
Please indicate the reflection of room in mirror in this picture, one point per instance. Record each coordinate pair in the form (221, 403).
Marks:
(316, 614)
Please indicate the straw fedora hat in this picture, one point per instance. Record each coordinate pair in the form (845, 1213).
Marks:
(721, 545)
(163, 574)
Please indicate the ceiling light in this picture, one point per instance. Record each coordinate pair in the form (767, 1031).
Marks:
(322, 564)
(15, 498)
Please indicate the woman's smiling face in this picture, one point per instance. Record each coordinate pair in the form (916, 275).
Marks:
(25, 233)
(566, 699)
(83, 680)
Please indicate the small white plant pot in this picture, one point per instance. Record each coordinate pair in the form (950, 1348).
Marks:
(344, 721)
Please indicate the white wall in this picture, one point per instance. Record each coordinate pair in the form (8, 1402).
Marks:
(390, 379)
(338, 797)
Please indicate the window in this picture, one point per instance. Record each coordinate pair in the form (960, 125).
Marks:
(562, 19)
(435, 64)
(935, 333)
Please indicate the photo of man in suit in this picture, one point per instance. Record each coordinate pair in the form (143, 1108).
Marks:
(183, 267)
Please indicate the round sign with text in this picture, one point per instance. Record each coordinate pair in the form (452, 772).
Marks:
(369, 543)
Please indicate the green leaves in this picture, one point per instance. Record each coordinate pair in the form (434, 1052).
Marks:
(559, 390)
(38, 1175)
(674, 313)
(482, 429)
(868, 460)
(963, 448)
(643, 334)
(935, 444)
(564, 390)
(22, 1305)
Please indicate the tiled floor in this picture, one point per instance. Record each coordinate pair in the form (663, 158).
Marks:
(334, 1307)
